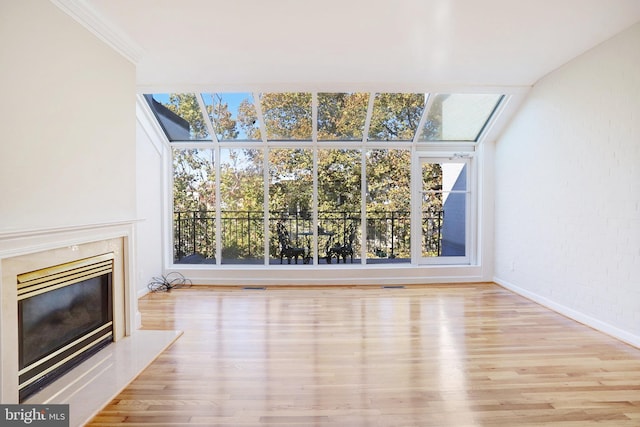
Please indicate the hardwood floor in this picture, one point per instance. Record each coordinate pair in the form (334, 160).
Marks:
(458, 355)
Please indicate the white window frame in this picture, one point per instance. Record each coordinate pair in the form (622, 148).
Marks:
(471, 208)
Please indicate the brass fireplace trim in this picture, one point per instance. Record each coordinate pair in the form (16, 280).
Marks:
(63, 361)
(39, 362)
(48, 279)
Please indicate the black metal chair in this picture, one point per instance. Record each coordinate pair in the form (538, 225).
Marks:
(344, 249)
(287, 250)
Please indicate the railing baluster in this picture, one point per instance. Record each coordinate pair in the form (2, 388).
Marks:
(249, 233)
(392, 233)
(179, 248)
(193, 230)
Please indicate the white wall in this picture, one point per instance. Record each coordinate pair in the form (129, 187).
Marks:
(150, 245)
(67, 153)
(567, 220)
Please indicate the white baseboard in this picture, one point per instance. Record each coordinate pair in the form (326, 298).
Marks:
(142, 292)
(571, 313)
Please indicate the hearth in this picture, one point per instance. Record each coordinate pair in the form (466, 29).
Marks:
(65, 314)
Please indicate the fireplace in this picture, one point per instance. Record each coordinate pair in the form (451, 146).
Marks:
(93, 382)
(65, 314)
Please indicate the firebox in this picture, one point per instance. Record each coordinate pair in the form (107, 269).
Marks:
(65, 315)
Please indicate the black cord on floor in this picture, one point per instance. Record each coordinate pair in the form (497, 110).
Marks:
(172, 280)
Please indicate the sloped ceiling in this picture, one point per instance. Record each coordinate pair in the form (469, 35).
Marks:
(353, 44)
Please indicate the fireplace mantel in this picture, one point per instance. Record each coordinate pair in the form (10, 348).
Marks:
(20, 242)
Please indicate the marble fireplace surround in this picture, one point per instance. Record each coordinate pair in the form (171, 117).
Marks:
(92, 384)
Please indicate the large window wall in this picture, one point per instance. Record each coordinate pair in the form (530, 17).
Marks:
(322, 178)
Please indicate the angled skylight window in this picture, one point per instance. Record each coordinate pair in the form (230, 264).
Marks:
(458, 117)
(180, 116)
(233, 116)
(341, 116)
(396, 116)
(287, 116)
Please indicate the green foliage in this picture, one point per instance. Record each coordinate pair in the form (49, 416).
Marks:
(186, 106)
(221, 118)
(432, 184)
(193, 180)
(248, 118)
(339, 180)
(291, 180)
(396, 116)
(287, 116)
(388, 180)
(241, 179)
(341, 116)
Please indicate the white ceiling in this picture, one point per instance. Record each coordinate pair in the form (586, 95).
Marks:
(352, 44)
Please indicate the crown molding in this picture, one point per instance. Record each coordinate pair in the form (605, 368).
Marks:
(106, 31)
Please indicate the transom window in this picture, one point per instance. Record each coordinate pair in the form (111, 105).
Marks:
(321, 178)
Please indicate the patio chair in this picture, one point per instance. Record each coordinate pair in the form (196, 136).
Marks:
(287, 250)
(344, 249)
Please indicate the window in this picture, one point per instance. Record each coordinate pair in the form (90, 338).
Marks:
(341, 116)
(287, 116)
(445, 211)
(322, 178)
(194, 201)
(458, 117)
(396, 116)
(241, 199)
(180, 116)
(233, 116)
(290, 199)
(339, 204)
(388, 207)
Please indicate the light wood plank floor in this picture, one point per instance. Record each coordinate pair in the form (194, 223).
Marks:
(459, 355)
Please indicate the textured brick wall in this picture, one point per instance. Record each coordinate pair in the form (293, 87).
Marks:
(567, 222)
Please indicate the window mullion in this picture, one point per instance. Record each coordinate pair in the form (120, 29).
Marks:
(265, 175)
(261, 123)
(367, 121)
(363, 206)
(314, 204)
(207, 119)
(423, 118)
(416, 208)
(218, 170)
(265, 203)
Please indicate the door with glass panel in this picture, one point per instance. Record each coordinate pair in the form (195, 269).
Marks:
(445, 211)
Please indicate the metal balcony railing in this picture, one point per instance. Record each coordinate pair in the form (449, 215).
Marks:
(242, 234)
